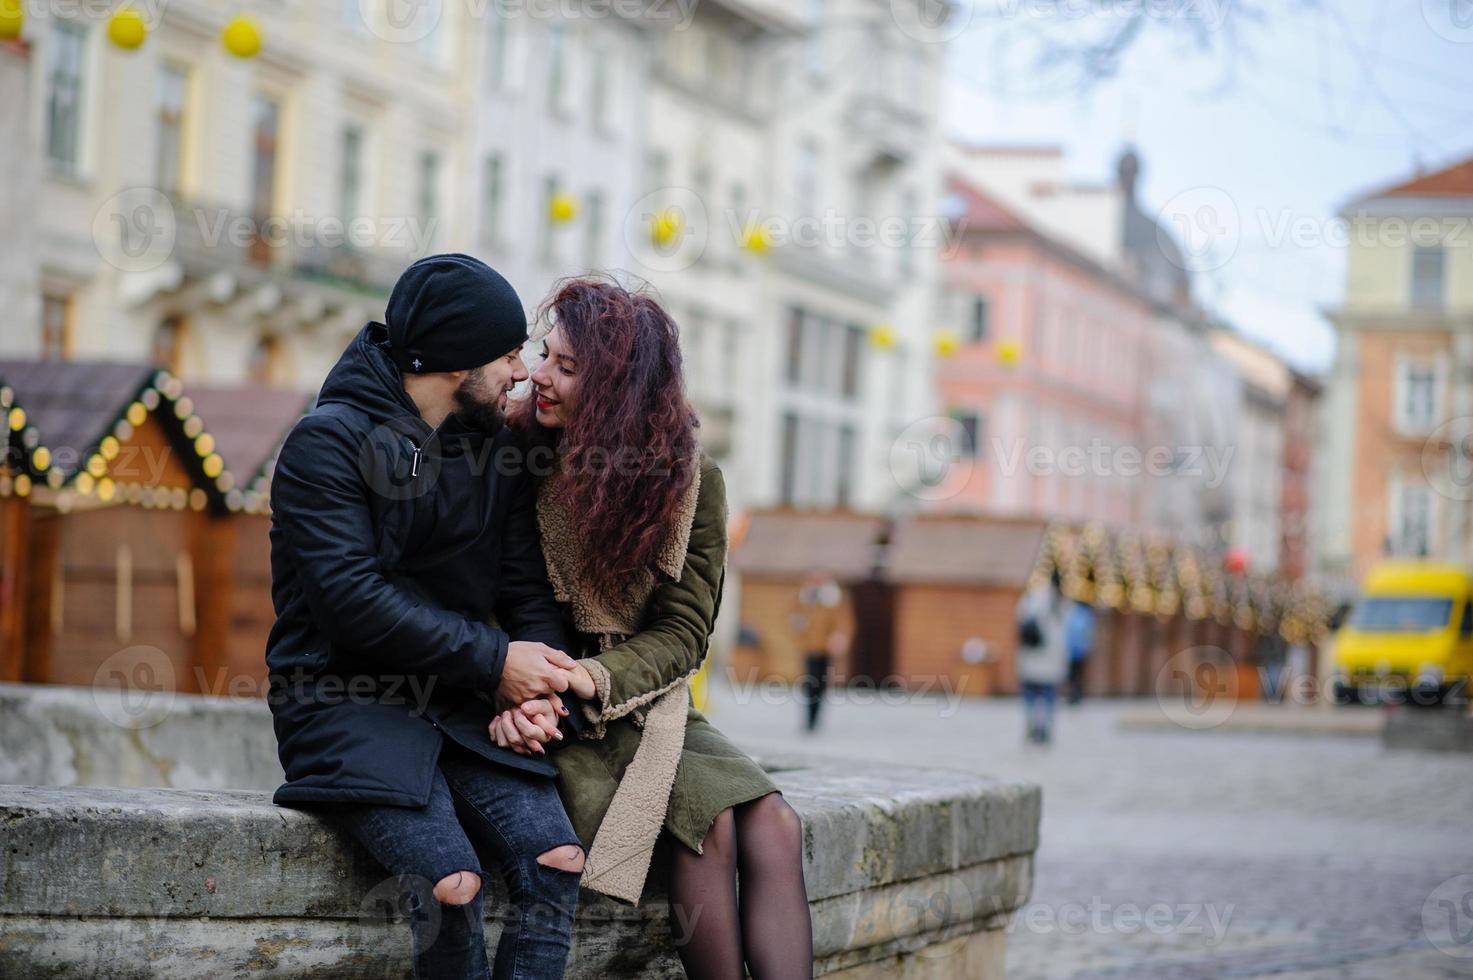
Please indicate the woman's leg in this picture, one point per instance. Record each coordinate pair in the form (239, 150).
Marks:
(520, 819)
(777, 934)
(438, 878)
(703, 904)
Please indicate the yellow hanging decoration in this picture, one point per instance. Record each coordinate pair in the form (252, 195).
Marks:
(12, 19)
(127, 29)
(882, 336)
(242, 37)
(947, 343)
(1009, 352)
(666, 226)
(563, 207)
(756, 241)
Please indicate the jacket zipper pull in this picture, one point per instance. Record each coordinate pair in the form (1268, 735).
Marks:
(414, 462)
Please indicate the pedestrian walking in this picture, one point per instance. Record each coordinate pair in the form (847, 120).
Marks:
(1043, 661)
(1079, 632)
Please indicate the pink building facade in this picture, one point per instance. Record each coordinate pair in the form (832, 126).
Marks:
(1048, 385)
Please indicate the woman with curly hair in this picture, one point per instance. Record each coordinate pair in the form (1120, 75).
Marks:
(633, 522)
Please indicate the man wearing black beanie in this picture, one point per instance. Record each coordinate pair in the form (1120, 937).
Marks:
(412, 604)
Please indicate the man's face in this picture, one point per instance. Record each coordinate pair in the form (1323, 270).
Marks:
(480, 400)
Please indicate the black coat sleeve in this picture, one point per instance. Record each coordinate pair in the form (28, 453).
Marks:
(320, 507)
(525, 605)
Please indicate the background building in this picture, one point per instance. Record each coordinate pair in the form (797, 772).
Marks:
(1400, 394)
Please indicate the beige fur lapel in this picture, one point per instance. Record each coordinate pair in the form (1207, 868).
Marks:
(562, 546)
(623, 846)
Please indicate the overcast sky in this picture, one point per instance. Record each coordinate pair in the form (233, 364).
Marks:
(1258, 140)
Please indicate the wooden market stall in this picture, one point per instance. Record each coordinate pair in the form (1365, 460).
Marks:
(773, 554)
(125, 578)
(249, 424)
(956, 582)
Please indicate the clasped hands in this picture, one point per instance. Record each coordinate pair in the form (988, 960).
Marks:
(531, 680)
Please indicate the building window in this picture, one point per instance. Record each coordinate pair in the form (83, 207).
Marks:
(265, 365)
(793, 370)
(1411, 529)
(806, 180)
(1427, 275)
(168, 343)
(266, 127)
(429, 194)
(557, 70)
(1418, 396)
(788, 489)
(813, 39)
(598, 86)
(173, 89)
(977, 325)
(56, 327)
(550, 190)
(593, 221)
(846, 465)
(853, 360)
(497, 49)
(64, 96)
(491, 193)
(350, 175)
(970, 424)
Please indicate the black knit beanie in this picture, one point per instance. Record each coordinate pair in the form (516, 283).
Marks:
(451, 313)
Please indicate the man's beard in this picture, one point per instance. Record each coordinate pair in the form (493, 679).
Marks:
(477, 407)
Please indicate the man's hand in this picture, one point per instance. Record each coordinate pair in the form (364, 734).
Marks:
(525, 729)
(532, 670)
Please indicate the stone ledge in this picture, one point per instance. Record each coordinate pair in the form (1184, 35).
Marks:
(904, 866)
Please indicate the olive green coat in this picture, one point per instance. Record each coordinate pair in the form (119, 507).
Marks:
(641, 654)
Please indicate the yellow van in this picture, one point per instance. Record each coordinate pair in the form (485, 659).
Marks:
(1409, 636)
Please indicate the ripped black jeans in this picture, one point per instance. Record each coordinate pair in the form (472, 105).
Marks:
(477, 808)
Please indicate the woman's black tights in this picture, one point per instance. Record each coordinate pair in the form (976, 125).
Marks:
(769, 928)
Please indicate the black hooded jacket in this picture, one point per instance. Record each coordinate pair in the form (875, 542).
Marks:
(394, 549)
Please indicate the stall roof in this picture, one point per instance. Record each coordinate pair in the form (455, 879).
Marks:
(794, 543)
(944, 550)
(72, 405)
(249, 423)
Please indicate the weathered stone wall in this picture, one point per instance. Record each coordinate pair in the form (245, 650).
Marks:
(911, 873)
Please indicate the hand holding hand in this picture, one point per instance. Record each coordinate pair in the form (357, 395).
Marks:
(580, 682)
(526, 728)
(533, 670)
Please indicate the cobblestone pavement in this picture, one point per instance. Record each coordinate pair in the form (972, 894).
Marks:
(1191, 854)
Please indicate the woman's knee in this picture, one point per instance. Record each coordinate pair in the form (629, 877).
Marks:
(771, 818)
(721, 838)
(458, 888)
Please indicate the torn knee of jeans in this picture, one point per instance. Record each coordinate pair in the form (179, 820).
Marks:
(569, 857)
(458, 888)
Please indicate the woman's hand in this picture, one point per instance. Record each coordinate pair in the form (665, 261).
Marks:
(580, 682)
(526, 728)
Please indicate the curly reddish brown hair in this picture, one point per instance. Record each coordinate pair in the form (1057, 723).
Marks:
(629, 453)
